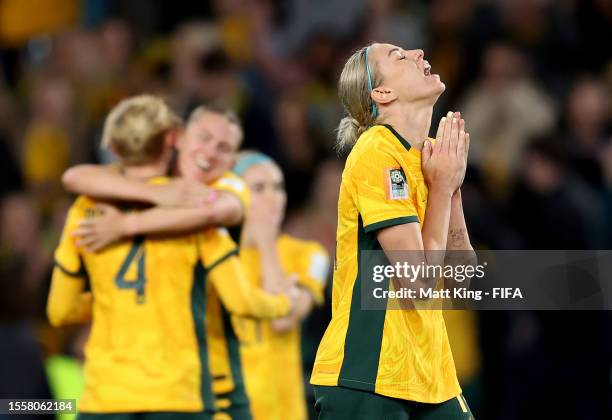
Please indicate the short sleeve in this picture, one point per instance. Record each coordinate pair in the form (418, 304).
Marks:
(233, 184)
(314, 271)
(215, 246)
(67, 254)
(381, 190)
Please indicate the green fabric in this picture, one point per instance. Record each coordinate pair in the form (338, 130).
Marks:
(65, 376)
(365, 329)
(339, 403)
(238, 412)
(198, 309)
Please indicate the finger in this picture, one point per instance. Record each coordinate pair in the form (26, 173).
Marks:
(457, 114)
(441, 126)
(85, 241)
(84, 223)
(467, 145)
(447, 129)
(95, 246)
(104, 207)
(453, 136)
(461, 141)
(82, 231)
(426, 152)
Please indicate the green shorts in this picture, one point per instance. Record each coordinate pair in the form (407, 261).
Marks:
(205, 415)
(338, 403)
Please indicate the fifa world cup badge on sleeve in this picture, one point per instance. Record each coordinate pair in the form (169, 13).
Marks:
(397, 185)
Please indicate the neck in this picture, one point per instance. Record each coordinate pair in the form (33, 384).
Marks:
(412, 121)
(146, 171)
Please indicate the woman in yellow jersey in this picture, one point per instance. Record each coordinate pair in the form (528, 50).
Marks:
(270, 350)
(399, 191)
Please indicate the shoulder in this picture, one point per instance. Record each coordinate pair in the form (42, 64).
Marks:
(377, 146)
(230, 180)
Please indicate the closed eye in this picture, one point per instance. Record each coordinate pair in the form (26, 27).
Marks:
(402, 57)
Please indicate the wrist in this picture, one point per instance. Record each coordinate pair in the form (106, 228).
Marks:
(457, 194)
(441, 192)
(127, 225)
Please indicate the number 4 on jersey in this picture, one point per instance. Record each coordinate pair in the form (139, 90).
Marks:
(135, 256)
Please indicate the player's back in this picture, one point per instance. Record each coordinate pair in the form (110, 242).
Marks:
(146, 350)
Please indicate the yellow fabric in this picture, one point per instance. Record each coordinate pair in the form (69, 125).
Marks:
(142, 353)
(46, 153)
(22, 19)
(463, 337)
(272, 362)
(232, 183)
(415, 361)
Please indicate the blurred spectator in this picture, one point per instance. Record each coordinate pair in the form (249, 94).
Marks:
(24, 271)
(318, 219)
(587, 118)
(503, 110)
(50, 141)
(548, 198)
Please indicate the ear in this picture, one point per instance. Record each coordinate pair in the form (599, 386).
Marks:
(383, 95)
(173, 137)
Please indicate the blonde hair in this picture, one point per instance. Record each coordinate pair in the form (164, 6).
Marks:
(230, 115)
(135, 128)
(354, 93)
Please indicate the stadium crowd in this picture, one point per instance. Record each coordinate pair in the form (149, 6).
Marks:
(532, 78)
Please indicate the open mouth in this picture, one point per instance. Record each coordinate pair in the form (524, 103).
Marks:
(202, 163)
(427, 69)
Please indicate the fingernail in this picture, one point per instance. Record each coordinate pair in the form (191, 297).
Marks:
(450, 114)
(443, 119)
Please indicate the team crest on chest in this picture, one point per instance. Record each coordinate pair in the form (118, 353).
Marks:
(397, 186)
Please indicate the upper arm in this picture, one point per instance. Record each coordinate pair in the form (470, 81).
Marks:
(234, 199)
(66, 302)
(404, 237)
(227, 210)
(381, 191)
(82, 179)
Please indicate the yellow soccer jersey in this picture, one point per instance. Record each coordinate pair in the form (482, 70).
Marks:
(146, 350)
(272, 362)
(397, 353)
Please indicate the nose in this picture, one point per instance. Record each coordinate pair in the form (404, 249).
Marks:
(418, 54)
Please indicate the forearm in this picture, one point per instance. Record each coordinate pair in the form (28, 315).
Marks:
(458, 238)
(271, 270)
(242, 298)
(460, 251)
(102, 182)
(436, 225)
(67, 303)
(167, 220)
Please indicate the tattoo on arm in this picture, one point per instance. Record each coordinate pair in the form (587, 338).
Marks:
(456, 237)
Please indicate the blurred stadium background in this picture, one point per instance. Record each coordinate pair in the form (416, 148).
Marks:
(532, 78)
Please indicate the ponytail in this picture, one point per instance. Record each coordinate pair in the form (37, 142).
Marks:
(354, 91)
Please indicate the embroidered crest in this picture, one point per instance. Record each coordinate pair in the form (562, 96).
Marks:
(398, 187)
